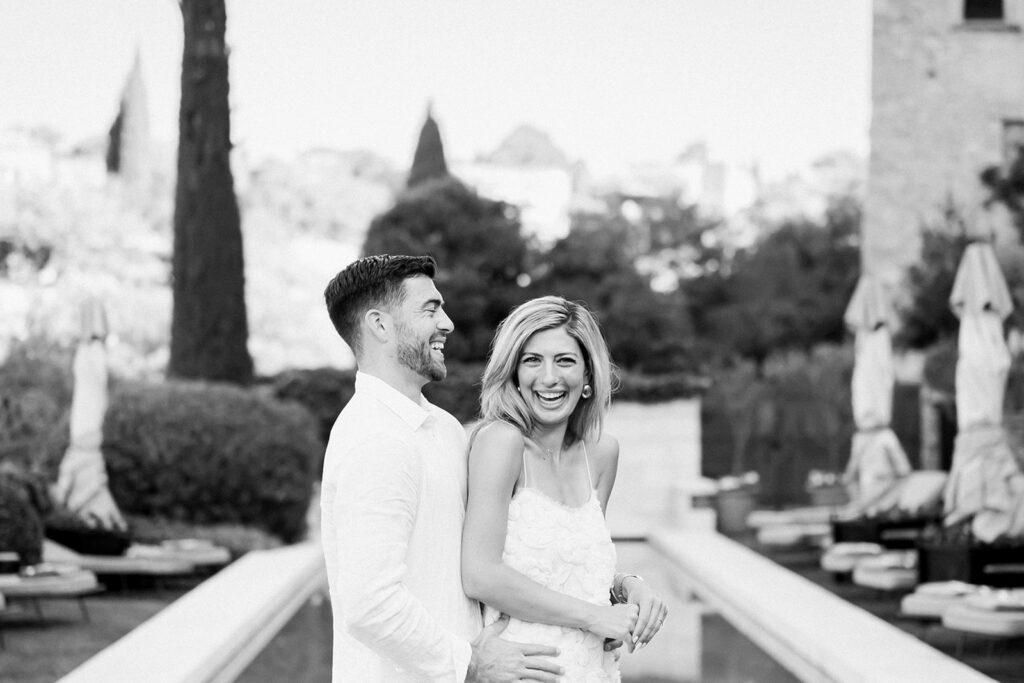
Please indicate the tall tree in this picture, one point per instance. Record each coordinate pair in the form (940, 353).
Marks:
(428, 162)
(209, 327)
(128, 152)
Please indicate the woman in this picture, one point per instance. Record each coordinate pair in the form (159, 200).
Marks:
(535, 542)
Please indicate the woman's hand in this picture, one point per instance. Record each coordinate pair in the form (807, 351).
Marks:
(652, 611)
(614, 621)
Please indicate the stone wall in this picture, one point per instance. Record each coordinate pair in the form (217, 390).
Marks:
(942, 89)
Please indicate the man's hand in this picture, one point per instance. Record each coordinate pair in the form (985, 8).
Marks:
(497, 661)
(652, 610)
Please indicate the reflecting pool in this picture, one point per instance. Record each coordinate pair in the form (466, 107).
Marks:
(695, 645)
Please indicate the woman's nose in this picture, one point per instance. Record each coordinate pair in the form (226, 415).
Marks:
(550, 372)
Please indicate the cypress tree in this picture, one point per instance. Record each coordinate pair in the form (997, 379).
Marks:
(428, 161)
(209, 327)
(114, 142)
(128, 152)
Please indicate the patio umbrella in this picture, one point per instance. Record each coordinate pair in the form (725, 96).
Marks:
(82, 480)
(986, 484)
(877, 459)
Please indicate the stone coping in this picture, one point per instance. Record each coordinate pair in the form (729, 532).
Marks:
(815, 634)
(214, 631)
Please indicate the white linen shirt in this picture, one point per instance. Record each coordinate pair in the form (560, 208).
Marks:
(393, 499)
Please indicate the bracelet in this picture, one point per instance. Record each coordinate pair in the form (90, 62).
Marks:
(617, 587)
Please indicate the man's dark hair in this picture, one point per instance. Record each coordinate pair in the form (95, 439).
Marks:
(370, 282)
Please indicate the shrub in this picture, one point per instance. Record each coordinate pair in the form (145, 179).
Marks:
(940, 366)
(35, 390)
(794, 419)
(661, 387)
(23, 501)
(209, 454)
(322, 391)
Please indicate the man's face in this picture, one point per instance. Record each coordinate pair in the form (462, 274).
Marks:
(421, 327)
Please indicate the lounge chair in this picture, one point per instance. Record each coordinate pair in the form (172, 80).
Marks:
(931, 600)
(841, 558)
(45, 582)
(890, 571)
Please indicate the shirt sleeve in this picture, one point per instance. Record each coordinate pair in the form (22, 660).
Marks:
(374, 510)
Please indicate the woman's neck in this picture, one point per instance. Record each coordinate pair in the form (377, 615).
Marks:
(550, 440)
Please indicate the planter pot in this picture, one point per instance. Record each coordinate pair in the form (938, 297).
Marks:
(900, 534)
(732, 507)
(828, 495)
(999, 566)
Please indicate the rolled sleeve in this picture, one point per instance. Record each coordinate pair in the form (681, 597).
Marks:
(374, 510)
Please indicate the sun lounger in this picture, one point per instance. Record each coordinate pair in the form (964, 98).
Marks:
(817, 514)
(791, 535)
(931, 600)
(167, 559)
(199, 553)
(989, 622)
(889, 571)
(47, 581)
(841, 558)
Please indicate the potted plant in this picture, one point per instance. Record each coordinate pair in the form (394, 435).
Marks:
(955, 554)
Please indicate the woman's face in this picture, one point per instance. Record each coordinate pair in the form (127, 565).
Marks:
(551, 373)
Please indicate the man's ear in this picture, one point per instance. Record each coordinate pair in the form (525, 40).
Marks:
(378, 323)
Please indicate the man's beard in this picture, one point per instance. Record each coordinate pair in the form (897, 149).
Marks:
(418, 358)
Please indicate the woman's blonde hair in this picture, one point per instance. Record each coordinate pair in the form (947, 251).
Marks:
(500, 398)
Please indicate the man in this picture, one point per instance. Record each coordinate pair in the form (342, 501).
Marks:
(394, 492)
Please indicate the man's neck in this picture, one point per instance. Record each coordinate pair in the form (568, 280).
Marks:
(399, 378)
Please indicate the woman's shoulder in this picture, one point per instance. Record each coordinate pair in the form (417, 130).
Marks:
(603, 451)
(499, 434)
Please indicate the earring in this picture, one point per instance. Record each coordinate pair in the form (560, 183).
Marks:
(587, 391)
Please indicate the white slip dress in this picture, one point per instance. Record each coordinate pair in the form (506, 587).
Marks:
(568, 549)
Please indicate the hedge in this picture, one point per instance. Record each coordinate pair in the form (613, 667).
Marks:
(208, 453)
(325, 391)
(21, 510)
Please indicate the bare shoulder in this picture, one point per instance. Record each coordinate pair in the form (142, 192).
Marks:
(498, 436)
(604, 453)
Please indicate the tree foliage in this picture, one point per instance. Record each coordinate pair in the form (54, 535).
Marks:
(479, 249)
(927, 317)
(789, 291)
(646, 331)
(1006, 187)
(209, 328)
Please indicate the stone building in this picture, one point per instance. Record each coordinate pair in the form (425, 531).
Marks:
(948, 101)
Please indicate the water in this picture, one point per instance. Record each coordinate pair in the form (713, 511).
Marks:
(694, 645)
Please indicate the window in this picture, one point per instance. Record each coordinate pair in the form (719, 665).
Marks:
(983, 10)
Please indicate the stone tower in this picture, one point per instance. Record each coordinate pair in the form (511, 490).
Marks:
(947, 101)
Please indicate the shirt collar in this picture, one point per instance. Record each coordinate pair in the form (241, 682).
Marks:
(413, 414)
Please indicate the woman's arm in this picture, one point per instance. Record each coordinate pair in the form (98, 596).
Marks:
(604, 460)
(495, 463)
(653, 611)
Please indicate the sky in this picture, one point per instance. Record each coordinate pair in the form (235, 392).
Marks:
(613, 82)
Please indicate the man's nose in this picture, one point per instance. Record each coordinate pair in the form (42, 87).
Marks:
(445, 323)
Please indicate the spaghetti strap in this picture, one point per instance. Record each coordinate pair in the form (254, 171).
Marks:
(586, 460)
(526, 477)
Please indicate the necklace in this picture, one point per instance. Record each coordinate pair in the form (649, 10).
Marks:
(549, 452)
